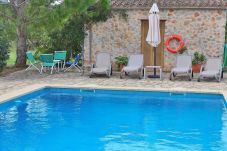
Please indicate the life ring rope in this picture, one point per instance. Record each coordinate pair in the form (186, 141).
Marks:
(172, 37)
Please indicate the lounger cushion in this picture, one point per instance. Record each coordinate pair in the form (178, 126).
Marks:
(100, 70)
(130, 69)
(209, 73)
(180, 70)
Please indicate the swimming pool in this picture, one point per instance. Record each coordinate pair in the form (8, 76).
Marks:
(57, 119)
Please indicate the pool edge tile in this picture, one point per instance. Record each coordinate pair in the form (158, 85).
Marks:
(14, 94)
(35, 87)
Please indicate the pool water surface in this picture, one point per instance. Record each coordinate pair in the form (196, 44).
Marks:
(57, 119)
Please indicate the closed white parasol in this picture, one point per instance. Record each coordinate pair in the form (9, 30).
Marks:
(153, 35)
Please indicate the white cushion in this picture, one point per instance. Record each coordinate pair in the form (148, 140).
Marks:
(130, 69)
(99, 70)
(180, 70)
(209, 73)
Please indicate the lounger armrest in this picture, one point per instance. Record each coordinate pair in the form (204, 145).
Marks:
(221, 69)
(110, 67)
(141, 68)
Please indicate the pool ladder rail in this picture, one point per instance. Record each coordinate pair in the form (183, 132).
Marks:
(87, 90)
(177, 94)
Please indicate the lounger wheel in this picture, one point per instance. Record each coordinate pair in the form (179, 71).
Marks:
(108, 75)
(121, 77)
(198, 80)
(190, 78)
(171, 77)
(140, 77)
(219, 79)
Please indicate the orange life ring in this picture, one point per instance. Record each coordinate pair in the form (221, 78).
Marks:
(178, 38)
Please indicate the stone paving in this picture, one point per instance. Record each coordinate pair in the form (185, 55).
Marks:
(21, 79)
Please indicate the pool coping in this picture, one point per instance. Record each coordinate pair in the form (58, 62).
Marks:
(29, 89)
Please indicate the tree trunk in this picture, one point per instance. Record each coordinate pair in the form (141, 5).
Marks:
(21, 45)
(90, 42)
(19, 7)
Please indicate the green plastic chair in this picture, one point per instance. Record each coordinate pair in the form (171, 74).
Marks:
(60, 57)
(47, 62)
(32, 62)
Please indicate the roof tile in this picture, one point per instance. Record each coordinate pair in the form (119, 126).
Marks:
(128, 4)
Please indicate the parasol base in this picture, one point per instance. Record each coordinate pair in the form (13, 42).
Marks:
(153, 76)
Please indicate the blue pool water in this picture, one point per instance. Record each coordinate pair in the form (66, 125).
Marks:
(101, 120)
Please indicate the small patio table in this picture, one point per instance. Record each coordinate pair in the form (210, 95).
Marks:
(152, 67)
(58, 63)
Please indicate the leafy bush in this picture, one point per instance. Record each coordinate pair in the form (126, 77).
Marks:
(121, 60)
(70, 38)
(72, 35)
(183, 50)
(98, 12)
(69, 35)
(199, 58)
(4, 48)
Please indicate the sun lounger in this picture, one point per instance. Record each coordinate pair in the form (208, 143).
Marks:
(102, 64)
(183, 67)
(134, 66)
(212, 69)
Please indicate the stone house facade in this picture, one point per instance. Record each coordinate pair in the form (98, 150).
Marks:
(201, 23)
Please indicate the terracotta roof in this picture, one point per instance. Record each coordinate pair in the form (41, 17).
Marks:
(145, 4)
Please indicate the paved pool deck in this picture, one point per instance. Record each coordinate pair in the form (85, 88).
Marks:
(22, 82)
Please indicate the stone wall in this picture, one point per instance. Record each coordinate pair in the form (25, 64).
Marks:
(202, 30)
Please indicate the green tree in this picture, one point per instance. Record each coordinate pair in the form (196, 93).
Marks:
(71, 35)
(37, 15)
(98, 12)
